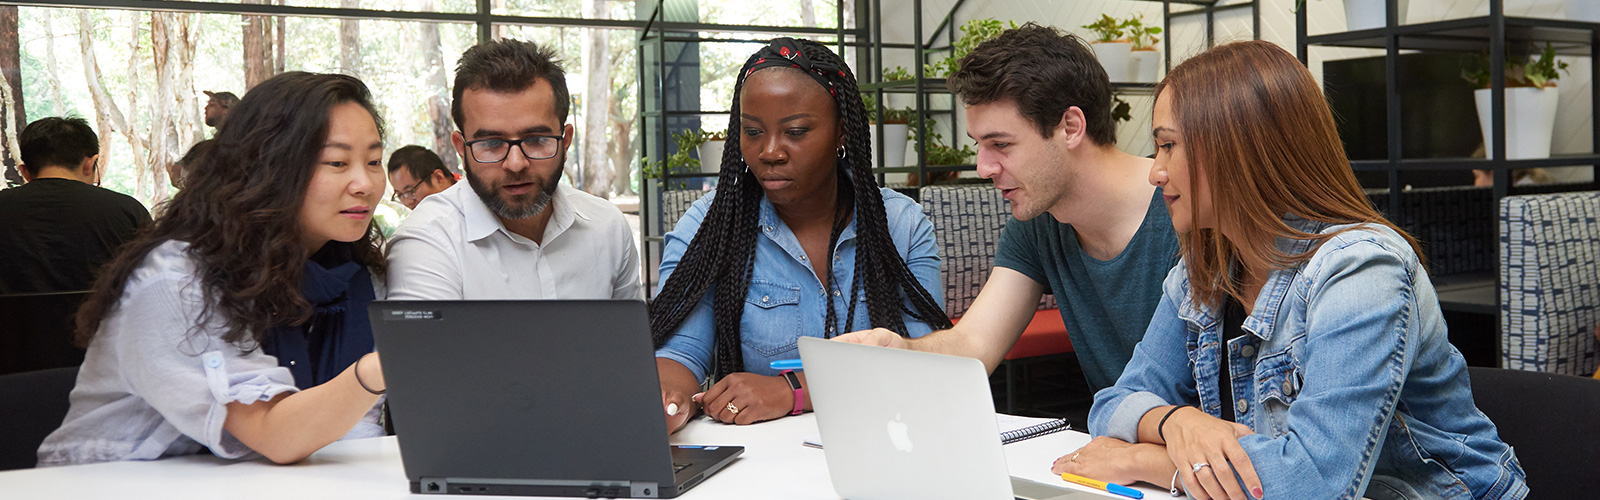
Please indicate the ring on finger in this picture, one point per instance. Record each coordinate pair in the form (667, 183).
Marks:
(733, 409)
(1198, 466)
(1075, 457)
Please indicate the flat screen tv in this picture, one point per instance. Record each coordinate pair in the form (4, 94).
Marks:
(1438, 117)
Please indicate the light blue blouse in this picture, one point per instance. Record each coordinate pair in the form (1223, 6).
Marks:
(786, 301)
(156, 381)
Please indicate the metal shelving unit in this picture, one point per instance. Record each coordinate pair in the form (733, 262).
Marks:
(925, 88)
(1496, 34)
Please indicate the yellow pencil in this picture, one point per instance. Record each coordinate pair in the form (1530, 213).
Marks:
(1103, 486)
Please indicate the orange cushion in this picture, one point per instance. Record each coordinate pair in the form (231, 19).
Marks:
(1045, 335)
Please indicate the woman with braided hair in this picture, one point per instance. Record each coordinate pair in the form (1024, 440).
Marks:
(797, 241)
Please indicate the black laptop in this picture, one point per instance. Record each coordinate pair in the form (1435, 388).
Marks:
(534, 398)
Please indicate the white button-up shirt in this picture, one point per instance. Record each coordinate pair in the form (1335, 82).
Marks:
(453, 247)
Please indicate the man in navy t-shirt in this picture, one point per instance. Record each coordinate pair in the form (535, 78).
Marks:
(1088, 226)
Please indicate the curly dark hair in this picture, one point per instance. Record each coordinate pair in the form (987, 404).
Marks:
(239, 211)
(1044, 71)
(722, 253)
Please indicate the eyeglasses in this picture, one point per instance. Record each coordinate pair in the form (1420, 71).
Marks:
(535, 147)
(407, 194)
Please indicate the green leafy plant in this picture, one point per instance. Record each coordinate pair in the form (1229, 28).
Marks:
(1121, 111)
(682, 161)
(1541, 72)
(1143, 37)
(898, 73)
(973, 33)
(939, 154)
(1107, 29)
(890, 115)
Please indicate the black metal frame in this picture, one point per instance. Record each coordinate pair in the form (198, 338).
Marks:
(1494, 33)
(654, 35)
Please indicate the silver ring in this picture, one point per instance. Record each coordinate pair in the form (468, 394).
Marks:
(1199, 465)
(1074, 457)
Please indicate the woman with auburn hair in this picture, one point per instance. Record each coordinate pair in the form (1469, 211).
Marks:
(237, 322)
(1298, 350)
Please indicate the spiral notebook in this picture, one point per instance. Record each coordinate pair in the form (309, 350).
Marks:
(1012, 429)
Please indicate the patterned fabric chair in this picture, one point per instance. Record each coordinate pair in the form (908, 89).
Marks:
(675, 203)
(1550, 282)
(967, 220)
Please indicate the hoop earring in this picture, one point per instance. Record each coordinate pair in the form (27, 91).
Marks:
(843, 155)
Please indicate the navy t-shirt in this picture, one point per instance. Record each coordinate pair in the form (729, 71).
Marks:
(1106, 305)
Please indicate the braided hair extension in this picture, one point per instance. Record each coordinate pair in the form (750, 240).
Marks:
(722, 252)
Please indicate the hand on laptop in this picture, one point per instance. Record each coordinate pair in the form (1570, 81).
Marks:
(746, 398)
(1117, 461)
(881, 337)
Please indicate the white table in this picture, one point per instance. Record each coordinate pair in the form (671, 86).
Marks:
(774, 465)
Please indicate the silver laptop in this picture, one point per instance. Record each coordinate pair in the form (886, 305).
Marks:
(535, 398)
(903, 424)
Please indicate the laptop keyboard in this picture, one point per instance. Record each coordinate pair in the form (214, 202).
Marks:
(679, 467)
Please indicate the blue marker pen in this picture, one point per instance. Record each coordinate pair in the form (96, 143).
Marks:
(786, 364)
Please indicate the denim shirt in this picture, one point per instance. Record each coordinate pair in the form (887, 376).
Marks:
(1345, 373)
(786, 301)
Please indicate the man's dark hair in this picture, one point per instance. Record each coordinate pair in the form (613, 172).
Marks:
(1043, 71)
(508, 65)
(418, 160)
(57, 142)
(227, 99)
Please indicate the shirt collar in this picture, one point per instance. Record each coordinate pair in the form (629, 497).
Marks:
(481, 222)
(1276, 289)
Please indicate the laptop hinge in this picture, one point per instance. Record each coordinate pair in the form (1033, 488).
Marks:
(534, 487)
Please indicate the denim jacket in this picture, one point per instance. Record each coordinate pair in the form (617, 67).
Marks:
(786, 301)
(1345, 373)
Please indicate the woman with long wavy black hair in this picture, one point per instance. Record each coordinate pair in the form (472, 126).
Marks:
(237, 322)
(796, 241)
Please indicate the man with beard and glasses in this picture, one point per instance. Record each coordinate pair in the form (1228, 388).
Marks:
(513, 230)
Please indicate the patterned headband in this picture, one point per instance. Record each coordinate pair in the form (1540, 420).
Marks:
(785, 53)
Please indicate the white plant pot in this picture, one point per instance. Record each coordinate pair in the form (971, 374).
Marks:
(1369, 14)
(1583, 10)
(1530, 121)
(1113, 57)
(1144, 66)
(711, 156)
(894, 143)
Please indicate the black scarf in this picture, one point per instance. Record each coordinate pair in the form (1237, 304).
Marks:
(338, 332)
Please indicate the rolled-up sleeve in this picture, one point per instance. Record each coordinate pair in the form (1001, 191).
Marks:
(189, 375)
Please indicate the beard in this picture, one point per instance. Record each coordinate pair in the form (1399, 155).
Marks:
(523, 206)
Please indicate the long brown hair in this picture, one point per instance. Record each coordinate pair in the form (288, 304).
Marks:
(1254, 121)
(239, 208)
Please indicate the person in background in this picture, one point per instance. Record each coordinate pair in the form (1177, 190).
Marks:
(513, 230)
(797, 240)
(237, 323)
(415, 173)
(1298, 350)
(218, 105)
(61, 226)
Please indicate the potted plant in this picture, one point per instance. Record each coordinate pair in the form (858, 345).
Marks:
(896, 127)
(974, 32)
(1110, 47)
(1144, 61)
(710, 149)
(680, 162)
(1531, 102)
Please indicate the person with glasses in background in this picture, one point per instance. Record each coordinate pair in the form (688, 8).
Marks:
(519, 232)
(415, 172)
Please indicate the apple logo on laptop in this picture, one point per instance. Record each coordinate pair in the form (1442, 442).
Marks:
(900, 434)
